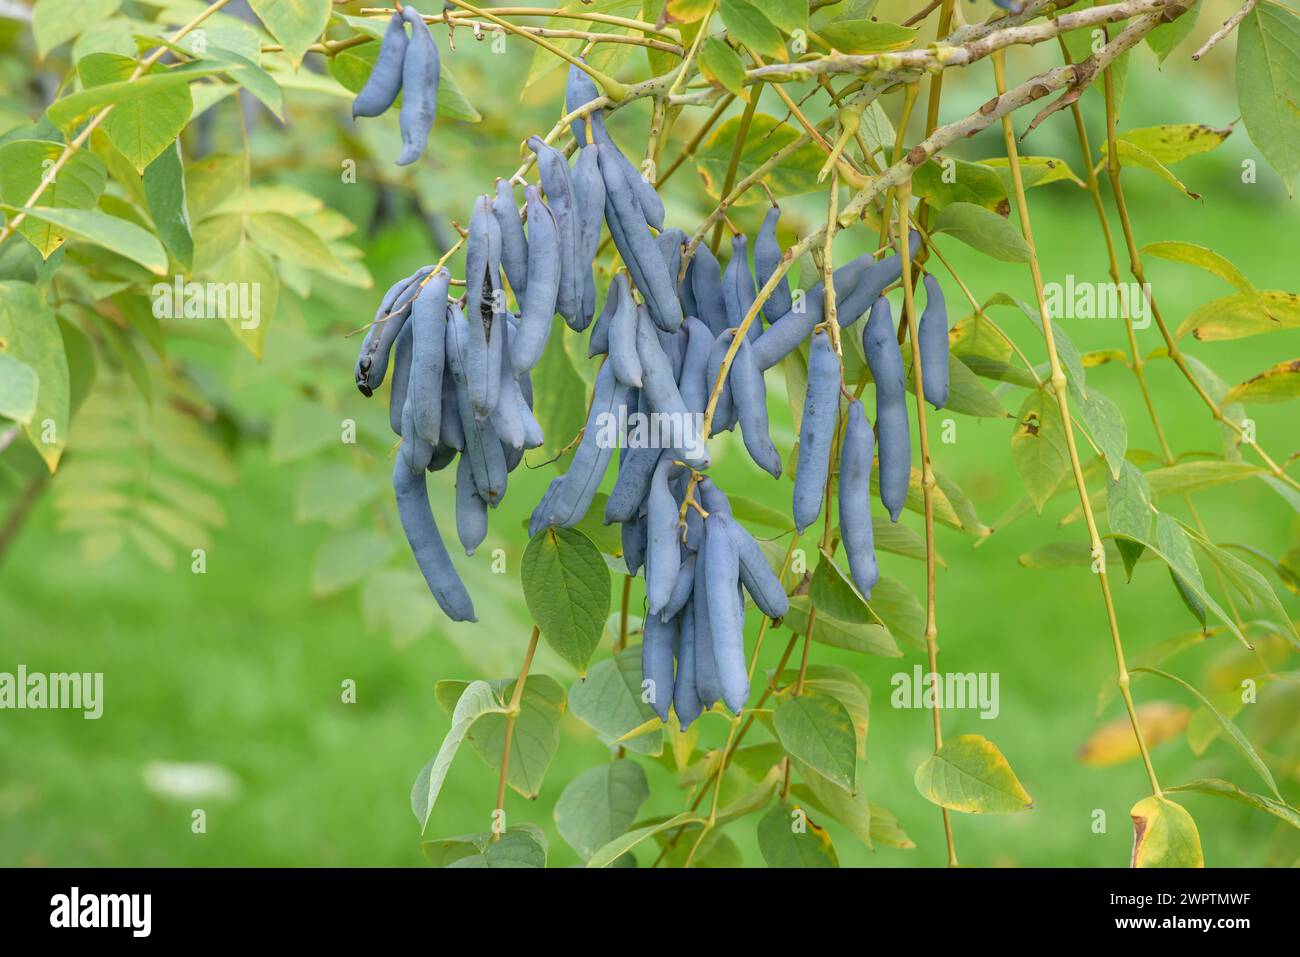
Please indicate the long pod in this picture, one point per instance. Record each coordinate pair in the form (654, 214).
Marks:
(471, 511)
(932, 338)
(415, 451)
(507, 418)
(657, 664)
(660, 390)
(686, 696)
(598, 340)
(708, 683)
(726, 612)
(817, 430)
(554, 172)
(579, 90)
(540, 517)
(858, 284)
(482, 446)
(692, 381)
(385, 80)
(767, 258)
(420, 75)
(683, 586)
(880, 344)
(856, 452)
(622, 343)
(637, 246)
(670, 243)
(428, 356)
(426, 544)
(755, 573)
(390, 318)
(451, 432)
(738, 287)
(443, 455)
(573, 496)
(706, 287)
(636, 468)
(514, 244)
(663, 548)
(724, 412)
(589, 195)
(483, 310)
(749, 396)
(538, 304)
(401, 380)
(632, 535)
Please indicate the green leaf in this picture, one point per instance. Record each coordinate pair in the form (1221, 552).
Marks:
(610, 700)
(1217, 787)
(1241, 315)
(894, 606)
(969, 774)
(600, 805)
(1167, 36)
(1201, 257)
(851, 810)
(1280, 383)
(1105, 423)
(559, 398)
(787, 837)
(1174, 142)
(1128, 508)
(787, 15)
(1035, 171)
(1133, 155)
(1233, 733)
(301, 428)
(477, 701)
(747, 24)
(720, 64)
(756, 513)
(346, 558)
(1164, 835)
(141, 127)
(164, 190)
(983, 230)
(297, 24)
(946, 181)
(1268, 86)
(521, 846)
(58, 21)
(536, 734)
(886, 830)
(118, 235)
(78, 185)
(1038, 447)
(1197, 476)
(865, 36)
(863, 637)
(796, 174)
(29, 335)
(249, 272)
(607, 855)
(18, 387)
(1253, 587)
(566, 586)
(817, 729)
(967, 395)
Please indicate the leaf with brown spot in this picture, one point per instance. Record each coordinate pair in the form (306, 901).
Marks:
(1281, 383)
(1164, 835)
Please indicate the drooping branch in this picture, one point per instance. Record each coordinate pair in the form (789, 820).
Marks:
(1229, 25)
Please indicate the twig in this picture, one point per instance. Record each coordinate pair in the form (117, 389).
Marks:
(512, 715)
(1229, 25)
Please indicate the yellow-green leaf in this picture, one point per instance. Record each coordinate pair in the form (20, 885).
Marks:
(969, 774)
(1164, 835)
(1281, 383)
(1200, 256)
(865, 36)
(1241, 315)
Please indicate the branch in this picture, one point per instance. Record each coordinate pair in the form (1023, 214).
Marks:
(1229, 25)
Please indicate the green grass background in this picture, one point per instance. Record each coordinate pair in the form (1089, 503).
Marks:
(242, 666)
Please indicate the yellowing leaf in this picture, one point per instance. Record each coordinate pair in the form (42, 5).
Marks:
(969, 774)
(1114, 742)
(1164, 835)
(1280, 383)
(1241, 315)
